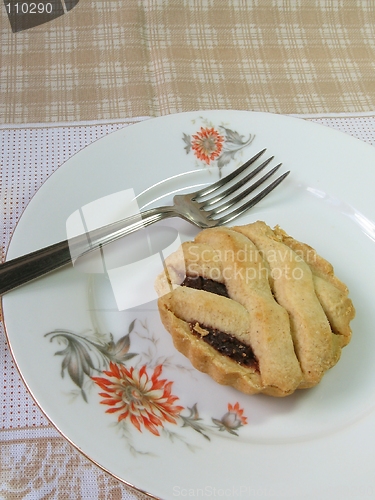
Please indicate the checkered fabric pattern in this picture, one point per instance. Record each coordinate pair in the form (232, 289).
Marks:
(112, 60)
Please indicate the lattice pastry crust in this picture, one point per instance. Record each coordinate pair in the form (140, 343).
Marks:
(255, 309)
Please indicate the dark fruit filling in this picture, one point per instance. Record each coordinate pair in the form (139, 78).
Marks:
(205, 284)
(225, 344)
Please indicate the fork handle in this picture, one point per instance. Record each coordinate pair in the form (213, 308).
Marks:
(21, 270)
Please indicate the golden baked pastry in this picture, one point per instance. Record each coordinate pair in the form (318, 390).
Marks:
(255, 309)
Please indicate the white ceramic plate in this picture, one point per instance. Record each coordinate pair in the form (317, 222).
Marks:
(184, 435)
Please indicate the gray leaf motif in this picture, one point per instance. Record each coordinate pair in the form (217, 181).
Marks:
(234, 142)
(82, 356)
(77, 361)
(233, 137)
(195, 422)
(187, 140)
(226, 157)
(119, 352)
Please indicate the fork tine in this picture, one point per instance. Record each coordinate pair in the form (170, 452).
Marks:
(216, 185)
(246, 206)
(237, 185)
(242, 194)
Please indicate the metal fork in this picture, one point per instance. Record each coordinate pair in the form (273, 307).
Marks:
(199, 208)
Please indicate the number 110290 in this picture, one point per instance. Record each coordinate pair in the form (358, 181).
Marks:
(29, 8)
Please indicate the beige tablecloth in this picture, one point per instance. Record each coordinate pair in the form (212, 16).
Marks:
(114, 60)
(104, 65)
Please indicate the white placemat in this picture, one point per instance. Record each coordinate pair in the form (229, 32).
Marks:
(35, 461)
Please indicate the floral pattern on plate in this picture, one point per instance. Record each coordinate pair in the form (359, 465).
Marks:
(135, 390)
(215, 144)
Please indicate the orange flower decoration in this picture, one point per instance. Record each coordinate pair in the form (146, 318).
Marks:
(238, 412)
(146, 401)
(207, 144)
(233, 419)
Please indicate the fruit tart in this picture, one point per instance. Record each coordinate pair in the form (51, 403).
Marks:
(255, 309)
